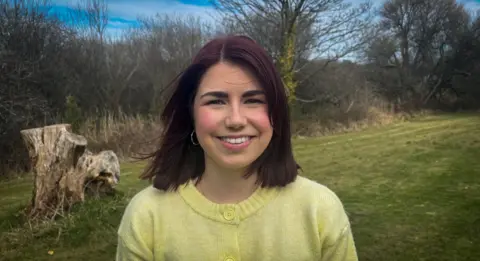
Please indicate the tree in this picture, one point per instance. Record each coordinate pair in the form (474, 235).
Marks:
(458, 74)
(287, 28)
(413, 39)
(32, 72)
(165, 46)
(90, 18)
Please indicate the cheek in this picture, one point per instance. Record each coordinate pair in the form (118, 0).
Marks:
(261, 120)
(206, 121)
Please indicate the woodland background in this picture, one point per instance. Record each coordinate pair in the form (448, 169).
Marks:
(345, 66)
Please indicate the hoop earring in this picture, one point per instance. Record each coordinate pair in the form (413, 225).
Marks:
(191, 139)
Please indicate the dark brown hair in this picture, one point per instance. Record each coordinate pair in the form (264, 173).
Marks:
(178, 160)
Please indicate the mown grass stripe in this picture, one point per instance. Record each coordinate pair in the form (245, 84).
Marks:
(301, 145)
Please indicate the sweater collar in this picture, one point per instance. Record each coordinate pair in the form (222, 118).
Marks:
(226, 213)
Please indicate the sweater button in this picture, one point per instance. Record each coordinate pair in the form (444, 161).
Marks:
(229, 215)
(229, 259)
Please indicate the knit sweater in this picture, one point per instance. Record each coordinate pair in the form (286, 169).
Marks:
(302, 221)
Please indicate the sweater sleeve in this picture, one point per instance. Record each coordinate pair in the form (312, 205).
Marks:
(135, 237)
(343, 249)
(126, 252)
(335, 229)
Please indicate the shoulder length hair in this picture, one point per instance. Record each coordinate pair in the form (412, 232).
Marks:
(178, 160)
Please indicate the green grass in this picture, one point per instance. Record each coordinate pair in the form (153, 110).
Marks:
(412, 191)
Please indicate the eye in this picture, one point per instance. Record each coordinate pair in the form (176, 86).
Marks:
(255, 101)
(214, 102)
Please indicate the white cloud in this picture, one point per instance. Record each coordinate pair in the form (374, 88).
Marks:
(117, 24)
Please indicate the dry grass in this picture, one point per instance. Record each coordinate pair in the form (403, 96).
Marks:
(327, 122)
(126, 135)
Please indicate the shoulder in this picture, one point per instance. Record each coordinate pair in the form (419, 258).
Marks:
(316, 198)
(315, 193)
(136, 232)
(142, 209)
(144, 200)
(147, 197)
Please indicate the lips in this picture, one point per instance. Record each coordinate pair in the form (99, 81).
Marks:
(235, 143)
(236, 140)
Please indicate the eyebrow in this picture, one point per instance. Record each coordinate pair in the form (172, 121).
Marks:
(220, 94)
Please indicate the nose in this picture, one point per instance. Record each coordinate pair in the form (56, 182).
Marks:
(235, 118)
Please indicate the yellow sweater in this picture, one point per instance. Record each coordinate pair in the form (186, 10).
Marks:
(303, 221)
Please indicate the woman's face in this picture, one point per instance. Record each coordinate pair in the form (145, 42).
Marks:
(231, 116)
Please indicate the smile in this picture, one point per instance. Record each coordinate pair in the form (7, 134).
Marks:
(237, 140)
(235, 143)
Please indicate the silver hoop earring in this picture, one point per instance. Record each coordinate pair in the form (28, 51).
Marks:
(191, 139)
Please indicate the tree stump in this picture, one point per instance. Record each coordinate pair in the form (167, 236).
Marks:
(62, 167)
(102, 172)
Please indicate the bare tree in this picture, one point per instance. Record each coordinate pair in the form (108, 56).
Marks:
(413, 40)
(89, 60)
(166, 45)
(32, 73)
(315, 28)
(90, 18)
(122, 62)
(457, 74)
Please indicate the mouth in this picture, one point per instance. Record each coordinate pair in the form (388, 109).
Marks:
(235, 143)
(235, 140)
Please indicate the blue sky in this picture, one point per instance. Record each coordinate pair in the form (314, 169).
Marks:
(123, 13)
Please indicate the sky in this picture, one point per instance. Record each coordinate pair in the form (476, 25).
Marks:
(124, 13)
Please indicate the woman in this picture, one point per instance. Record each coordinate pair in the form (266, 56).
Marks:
(225, 184)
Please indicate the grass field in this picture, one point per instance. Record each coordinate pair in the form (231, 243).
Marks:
(412, 191)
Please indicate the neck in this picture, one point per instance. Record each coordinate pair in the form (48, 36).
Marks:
(226, 186)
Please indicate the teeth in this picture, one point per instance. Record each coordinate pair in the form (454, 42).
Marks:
(236, 140)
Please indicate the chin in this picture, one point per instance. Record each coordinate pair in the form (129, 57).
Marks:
(235, 163)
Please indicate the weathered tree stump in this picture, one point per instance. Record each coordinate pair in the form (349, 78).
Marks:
(63, 167)
(102, 172)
